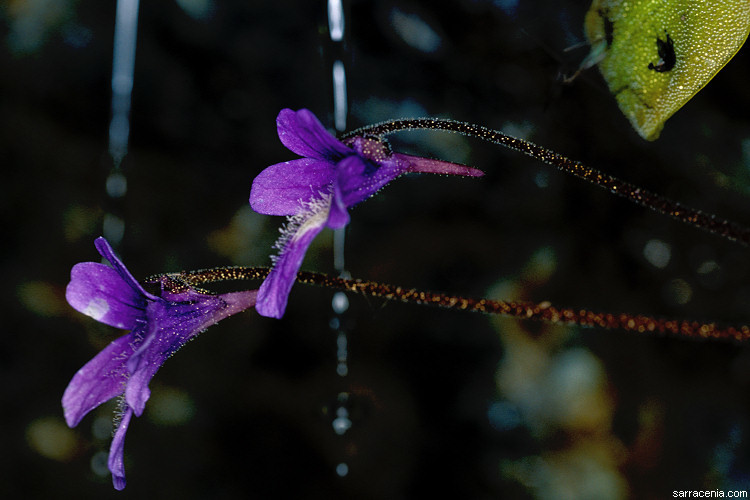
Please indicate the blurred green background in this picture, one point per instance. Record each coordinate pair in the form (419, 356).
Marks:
(441, 403)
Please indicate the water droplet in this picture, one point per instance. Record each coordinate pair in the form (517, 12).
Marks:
(339, 95)
(336, 20)
(101, 428)
(117, 185)
(657, 253)
(341, 424)
(340, 303)
(541, 179)
(415, 31)
(99, 464)
(342, 469)
(113, 228)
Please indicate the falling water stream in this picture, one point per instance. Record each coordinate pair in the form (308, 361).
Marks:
(340, 302)
(123, 65)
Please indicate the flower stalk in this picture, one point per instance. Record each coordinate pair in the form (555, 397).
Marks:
(542, 311)
(696, 218)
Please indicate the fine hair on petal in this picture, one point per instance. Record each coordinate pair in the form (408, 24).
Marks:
(313, 213)
(119, 411)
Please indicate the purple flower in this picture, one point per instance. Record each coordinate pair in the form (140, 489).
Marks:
(316, 191)
(159, 326)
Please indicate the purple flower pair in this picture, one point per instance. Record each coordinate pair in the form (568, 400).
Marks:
(159, 325)
(316, 191)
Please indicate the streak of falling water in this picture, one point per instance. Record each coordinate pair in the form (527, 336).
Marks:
(123, 64)
(336, 20)
(336, 30)
(340, 302)
(339, 95)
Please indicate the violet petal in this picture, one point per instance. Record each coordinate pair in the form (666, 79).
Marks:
(116, 462)
(100, 292)
(278, 189)
(274, 292)
(106, 251)
(302, 133)
(101, 379)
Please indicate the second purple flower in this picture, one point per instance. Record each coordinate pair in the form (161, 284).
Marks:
(316, 191)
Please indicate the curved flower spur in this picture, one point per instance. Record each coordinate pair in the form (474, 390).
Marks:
(317, 190)
(159, 325)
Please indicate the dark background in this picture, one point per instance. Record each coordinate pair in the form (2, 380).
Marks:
(449, 403)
